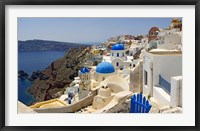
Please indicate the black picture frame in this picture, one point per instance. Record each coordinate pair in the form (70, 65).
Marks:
(96, 2)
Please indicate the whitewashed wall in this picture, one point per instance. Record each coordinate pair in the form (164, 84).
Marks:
(167, 66)
(100, 76)
(176, 91)
(147, 89)
(113, 54)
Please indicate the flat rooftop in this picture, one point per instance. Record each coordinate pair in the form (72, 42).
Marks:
(165, 52)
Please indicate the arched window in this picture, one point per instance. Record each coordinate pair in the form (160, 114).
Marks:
(117, 64)
(117, 54)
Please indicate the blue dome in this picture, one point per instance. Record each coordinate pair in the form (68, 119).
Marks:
(117, 47)
(85, 70)
(105, 67)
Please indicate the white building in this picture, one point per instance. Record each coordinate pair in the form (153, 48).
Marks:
(95, 56)
(167, 39)
(89, 79)
(160, 68)
(84, 75)
(144, 41)
(103, 70)
(118, 51)
(118, 57)
(134, 49)
(85, 81)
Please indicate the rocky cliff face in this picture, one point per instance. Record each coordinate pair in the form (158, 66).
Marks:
(60, 74)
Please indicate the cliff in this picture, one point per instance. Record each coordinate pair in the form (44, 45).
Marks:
(60, 74)
(46, 45)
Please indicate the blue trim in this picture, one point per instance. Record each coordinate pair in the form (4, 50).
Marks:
(166, 86)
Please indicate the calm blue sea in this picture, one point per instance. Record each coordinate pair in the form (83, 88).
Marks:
(32, 61)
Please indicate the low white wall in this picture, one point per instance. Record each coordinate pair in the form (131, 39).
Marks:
(181, 93)
(176, 91)
(160, 95)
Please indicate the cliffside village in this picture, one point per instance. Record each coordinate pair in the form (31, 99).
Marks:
(117, 69)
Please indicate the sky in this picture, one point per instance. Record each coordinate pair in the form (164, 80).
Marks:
(83, 30)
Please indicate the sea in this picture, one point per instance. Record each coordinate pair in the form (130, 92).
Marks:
(31, 61)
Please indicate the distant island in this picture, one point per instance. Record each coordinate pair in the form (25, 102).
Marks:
(46, 45)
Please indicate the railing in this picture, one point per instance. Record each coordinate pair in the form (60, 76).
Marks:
(139, 104)
(164, 84)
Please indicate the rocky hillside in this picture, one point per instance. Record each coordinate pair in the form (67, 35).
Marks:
(45, 45)
(60, 74)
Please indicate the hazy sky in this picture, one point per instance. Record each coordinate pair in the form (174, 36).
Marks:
(85, 29)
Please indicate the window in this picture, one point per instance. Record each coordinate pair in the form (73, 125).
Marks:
(130, 64)
(123, 54)
(165, 85)
(112, 54)
(117, 54)
(145, 77)
(133, 65)
(117, 64)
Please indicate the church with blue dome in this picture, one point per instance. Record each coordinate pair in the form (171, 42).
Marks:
(84, 70)
(84, 74)
(91, 77)
(105, 67)
(103, 70)
(117, 47)
(117, 50)
(118, 56)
